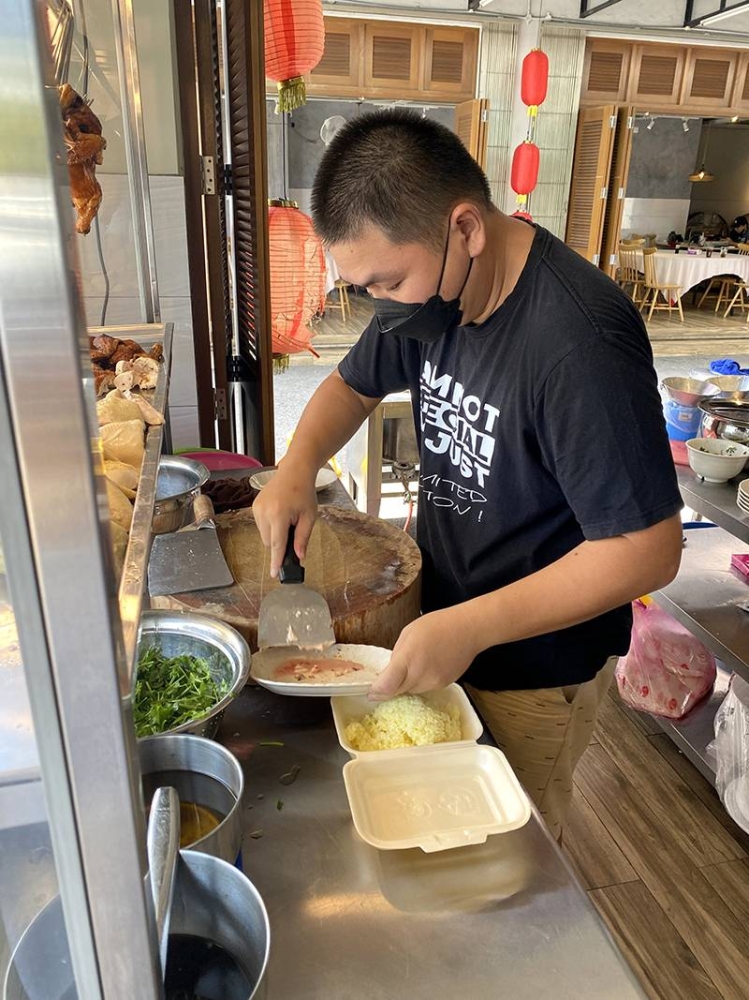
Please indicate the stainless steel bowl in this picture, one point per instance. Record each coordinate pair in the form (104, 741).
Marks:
(688, 391)
(730, 383)
(180, 761)
(178, 483)
(179, 633)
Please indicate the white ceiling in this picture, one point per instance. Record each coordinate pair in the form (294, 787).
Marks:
(642, 14)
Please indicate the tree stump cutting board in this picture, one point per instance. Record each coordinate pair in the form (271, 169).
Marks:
(367, 571)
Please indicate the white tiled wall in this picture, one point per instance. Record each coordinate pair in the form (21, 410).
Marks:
(654, 215)
(170, 235)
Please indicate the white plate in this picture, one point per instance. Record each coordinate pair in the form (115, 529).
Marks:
(325, 478)
(374, 659)
(736, 801)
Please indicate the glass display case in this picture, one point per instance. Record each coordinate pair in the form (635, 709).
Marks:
(75, 917)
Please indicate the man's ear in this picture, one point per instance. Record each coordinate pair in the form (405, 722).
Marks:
(469, 220)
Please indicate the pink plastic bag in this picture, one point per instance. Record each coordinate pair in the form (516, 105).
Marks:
(666, 671)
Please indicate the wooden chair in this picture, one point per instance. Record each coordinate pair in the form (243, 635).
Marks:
(629, 271)
(341, 301)
(720, 284)
(740, 289)
(653, 288)
(731, 290)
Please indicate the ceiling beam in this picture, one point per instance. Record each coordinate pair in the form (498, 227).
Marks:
(588, 11)
(723, 12)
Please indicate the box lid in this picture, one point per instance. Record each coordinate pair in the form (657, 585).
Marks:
(436, 799)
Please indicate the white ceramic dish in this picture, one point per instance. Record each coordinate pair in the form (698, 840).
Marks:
(373, 659)
(346, 710)
(325, 478)
(736, 801)
(449, 796)
(716, 460)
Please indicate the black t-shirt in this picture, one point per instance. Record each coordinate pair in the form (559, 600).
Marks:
(538, 429)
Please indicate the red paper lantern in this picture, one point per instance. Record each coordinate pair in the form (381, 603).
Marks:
(524, 173)
(534, 79)
(294, 45)
(297, 277)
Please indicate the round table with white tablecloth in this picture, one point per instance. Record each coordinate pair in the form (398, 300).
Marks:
(686, 270)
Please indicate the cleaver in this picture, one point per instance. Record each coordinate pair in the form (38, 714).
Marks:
(189, 559)
(292, 614)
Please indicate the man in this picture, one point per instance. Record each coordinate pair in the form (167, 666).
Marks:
(548, 498)
(739, 231)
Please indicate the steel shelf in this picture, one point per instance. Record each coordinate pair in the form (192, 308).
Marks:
(705, 596)
(716, 501)
(693, 734)
(133, 580)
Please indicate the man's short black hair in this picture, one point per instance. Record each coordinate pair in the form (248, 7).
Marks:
(399, 172)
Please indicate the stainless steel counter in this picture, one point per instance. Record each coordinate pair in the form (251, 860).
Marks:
(505, 919)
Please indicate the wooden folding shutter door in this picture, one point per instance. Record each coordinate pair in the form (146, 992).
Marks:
(471, 123)
(620, 160)
(227, 222)
(594, 145)
(251, 376)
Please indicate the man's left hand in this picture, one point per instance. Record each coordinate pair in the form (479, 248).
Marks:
(430, 653)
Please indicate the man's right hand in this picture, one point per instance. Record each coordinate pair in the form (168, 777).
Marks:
(289, 498)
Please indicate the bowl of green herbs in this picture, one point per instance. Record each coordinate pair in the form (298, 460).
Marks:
(188, 669)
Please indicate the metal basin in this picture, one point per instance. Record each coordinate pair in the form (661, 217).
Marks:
(184, 762)
(178, 483)
(399, 440)
(730, 384)
(688, 391)
(212, 900)
(178, 633)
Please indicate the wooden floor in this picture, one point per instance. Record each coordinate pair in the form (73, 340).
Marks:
(662, 861)
(703, 332)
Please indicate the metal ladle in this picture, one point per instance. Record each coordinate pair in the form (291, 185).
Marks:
(162, 845)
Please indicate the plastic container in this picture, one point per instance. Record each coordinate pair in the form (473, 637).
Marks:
(435, 797)
(348, 709)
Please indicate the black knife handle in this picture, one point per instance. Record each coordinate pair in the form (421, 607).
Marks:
(291, 570)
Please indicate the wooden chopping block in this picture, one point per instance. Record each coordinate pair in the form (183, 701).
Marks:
(367, 571)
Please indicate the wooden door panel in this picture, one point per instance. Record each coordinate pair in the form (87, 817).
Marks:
(450, 60)
(606, 72)
(590, 178)
(393, 57)
(620, 160)
(471, 127)
(657, 74)
(709, 77)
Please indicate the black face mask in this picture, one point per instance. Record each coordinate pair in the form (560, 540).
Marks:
(425, 321)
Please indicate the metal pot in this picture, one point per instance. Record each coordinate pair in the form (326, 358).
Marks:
(186, 758)
(178, 483)
(212, 900)
(727, 419)
(228, 656)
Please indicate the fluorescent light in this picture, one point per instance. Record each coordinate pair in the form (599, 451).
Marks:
(723, 14)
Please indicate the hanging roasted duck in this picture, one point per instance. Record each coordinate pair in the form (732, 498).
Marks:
(85, 145)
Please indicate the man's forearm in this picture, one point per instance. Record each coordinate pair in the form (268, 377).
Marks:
(333, 415)
(592, 579)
